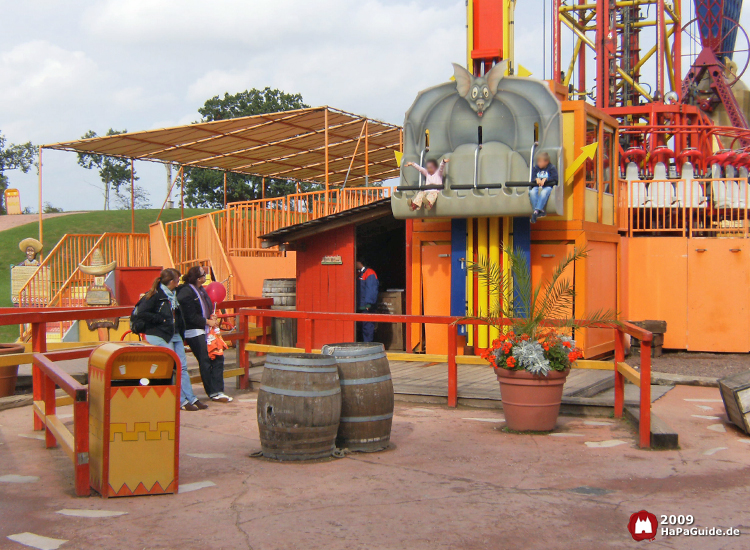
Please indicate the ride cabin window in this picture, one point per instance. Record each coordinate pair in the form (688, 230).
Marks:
(609, 155)
(592, 131)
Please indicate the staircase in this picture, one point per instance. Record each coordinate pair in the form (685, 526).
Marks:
(58, 282)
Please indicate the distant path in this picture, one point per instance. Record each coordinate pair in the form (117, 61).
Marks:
(9, 222)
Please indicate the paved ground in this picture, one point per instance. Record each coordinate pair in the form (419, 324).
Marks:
(688, 363)
(9, 222)
(453, 480)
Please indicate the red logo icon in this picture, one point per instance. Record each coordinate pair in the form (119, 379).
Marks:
(643, 526)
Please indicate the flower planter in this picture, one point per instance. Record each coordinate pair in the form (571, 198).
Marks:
(531, 402)
(9, 374)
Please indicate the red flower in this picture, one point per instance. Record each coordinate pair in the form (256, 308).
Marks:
(566, 344)
(511, 362)
(572, 356)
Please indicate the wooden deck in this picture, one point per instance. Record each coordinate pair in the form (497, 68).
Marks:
(586, 391)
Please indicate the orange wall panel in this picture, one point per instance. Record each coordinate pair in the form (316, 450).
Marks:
(601, 294)
(717, 288)
(249, 273)
(657, 284)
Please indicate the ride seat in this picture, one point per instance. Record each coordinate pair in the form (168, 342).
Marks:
(728, 194)
(690, 194)
(661, 194)
(463, 197)
(638, 194)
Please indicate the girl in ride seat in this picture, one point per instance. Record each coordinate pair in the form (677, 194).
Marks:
(433, 176)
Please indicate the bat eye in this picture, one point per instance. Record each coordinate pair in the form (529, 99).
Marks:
(474, 93)
(486, 93)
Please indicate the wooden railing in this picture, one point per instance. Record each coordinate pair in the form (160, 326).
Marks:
(59, 282)
(622, 371)
(241, 224)
(687, 208)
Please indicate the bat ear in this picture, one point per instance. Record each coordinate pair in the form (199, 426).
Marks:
(495, 75)
(463, 79)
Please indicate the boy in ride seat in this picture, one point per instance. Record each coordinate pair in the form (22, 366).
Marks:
(544, 175)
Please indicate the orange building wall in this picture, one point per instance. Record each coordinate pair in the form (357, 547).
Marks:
(249, 273)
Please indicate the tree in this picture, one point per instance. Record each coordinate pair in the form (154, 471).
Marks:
(122, 197)
(205, 188)
(13, 157)
(113, 171)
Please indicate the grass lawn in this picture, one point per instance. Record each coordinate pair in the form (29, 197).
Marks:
(113, 221)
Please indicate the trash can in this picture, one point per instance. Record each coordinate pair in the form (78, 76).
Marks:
(134, 420)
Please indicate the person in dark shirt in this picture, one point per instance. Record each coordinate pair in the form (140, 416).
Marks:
(544, 175)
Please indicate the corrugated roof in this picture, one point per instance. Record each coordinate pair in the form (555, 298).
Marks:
(301, 230)
(289, 144)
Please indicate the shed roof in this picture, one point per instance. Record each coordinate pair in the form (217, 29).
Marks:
(288, 145)
(360, 214)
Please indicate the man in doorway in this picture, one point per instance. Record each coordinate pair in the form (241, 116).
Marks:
(367, 297)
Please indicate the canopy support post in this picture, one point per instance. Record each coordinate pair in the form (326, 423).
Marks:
(225, 190)
(132, 197)
(40, 196)
(182, 192)
(325, 122)
(367, 153)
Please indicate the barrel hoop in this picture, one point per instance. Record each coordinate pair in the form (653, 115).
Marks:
(298, 393)
(366, 418)
(300, 369)
(360, 358)
(347, 350)
(321, 360)
(359, 381)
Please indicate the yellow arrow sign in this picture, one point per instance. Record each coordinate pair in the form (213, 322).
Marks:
(523, 71)
(587, 152)
(399, 156)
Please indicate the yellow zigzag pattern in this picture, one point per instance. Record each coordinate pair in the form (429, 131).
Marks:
(142, 427)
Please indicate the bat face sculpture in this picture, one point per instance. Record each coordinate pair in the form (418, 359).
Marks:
(479, 91)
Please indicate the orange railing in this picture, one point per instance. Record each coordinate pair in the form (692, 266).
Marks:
(306, 322)
(58, 281)
(241, 224)
(687, 208)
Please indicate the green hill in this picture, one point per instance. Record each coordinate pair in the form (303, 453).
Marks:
(112, 221)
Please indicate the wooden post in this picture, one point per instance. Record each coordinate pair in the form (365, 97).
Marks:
(38, 345)
(325, 122)
(619, 378)
(308, 335)
(40, 197)
(81, 445)
(132, 197)
(182, 192)
(367, 152)
(452, 367)
(644, 424)
(225, 189)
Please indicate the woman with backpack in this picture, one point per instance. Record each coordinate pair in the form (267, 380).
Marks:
(165, 327)
(198, 312)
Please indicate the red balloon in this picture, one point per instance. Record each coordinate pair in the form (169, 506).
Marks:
(216, 292)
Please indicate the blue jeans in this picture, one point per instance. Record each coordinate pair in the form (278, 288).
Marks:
(539, 196)
(176, 345)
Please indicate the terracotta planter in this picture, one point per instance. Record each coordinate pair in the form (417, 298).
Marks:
(531, 402)
(9, 374)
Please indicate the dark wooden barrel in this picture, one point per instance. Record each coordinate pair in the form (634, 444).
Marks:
(299, 406)
(284, 294)
(366, 395)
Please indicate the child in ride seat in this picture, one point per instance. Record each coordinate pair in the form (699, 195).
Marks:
(544, 175)
(433, 176)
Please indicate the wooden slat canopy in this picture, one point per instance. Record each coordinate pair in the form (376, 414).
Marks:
(288, 145)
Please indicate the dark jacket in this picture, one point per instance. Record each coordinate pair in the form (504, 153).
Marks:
(367, 289)
(160, 320)
(550, 172)
(191, 308)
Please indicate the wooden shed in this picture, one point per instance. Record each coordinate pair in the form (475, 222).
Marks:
(327, 250)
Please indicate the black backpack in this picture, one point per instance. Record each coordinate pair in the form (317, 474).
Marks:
(137, 322)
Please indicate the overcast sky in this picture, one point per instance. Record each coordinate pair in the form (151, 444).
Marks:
(67, 67)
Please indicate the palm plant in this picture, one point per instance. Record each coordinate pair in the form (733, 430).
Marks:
(536, 314)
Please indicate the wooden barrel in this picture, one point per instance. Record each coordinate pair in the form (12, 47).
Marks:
(283, 291)
(284, 294)
(299, 406)
(366, 395)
